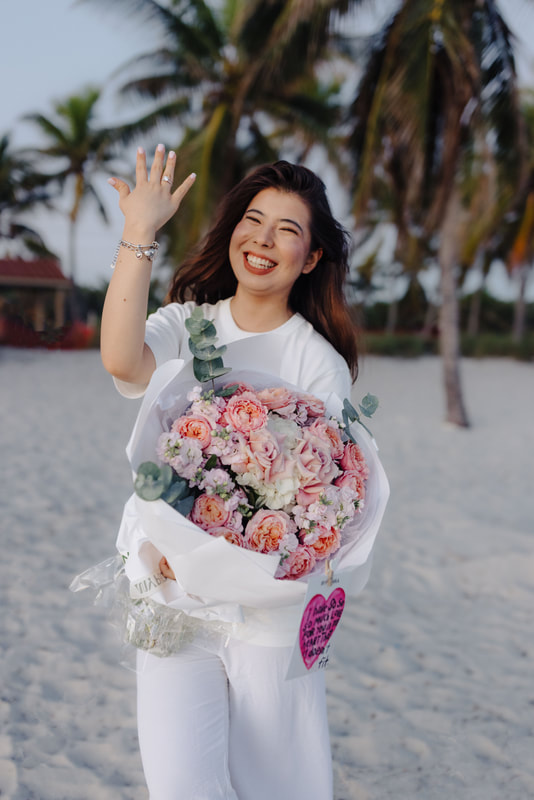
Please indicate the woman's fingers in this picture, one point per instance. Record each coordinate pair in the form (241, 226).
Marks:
(122, 187)
(166, 570)
(168, 173)
(156, 169)
(140, 167)
(179, 194)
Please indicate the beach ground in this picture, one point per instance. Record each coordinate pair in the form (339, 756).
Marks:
(431, 688)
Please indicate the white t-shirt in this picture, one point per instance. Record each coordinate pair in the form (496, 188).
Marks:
(305, 359)
(308, 360)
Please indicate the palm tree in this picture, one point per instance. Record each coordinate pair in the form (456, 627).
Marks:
(20, 190)
(437, 117)
(81, 150)
(240, 79)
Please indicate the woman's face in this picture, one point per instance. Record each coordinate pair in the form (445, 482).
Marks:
(270, 246)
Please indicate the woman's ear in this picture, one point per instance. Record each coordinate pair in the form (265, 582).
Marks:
(312, 261)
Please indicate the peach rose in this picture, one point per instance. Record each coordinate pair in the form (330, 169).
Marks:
(327, 543)
(231, 536)
(298, 563)
(354, 459)
(194, 427)
(351, 479)
(245, 412)
(209, 511)
(278, 399)
(267, 529)
(312, 405)
(329, 432)
(314, 461)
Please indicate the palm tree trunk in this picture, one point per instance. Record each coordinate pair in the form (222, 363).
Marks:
(392, 316)
(449, 327)
(473, 323)
(520, 308)
(72, 250)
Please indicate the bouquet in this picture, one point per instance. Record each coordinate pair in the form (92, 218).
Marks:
(266, 469)
(246, 486)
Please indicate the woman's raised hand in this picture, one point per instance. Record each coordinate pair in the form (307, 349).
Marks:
(152, 202)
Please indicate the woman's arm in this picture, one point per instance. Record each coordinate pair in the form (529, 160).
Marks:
(146, 209)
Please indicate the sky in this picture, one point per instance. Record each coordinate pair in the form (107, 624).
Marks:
(56, 48)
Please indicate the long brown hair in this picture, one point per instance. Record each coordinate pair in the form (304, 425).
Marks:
(206, 275)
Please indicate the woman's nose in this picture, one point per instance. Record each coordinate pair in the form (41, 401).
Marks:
(264, 237)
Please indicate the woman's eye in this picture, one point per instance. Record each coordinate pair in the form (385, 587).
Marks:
(290, 230)
(252, 219)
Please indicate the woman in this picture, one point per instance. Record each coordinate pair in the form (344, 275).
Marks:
(217, 719)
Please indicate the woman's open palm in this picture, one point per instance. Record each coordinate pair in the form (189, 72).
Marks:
(151, 203)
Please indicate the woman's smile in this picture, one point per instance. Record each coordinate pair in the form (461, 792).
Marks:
(258, 264)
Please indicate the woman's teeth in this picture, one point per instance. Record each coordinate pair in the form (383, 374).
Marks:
(260, 263)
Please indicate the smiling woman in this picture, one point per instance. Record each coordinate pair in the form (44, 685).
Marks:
(274, 261)
(286, 203)
(270, 248)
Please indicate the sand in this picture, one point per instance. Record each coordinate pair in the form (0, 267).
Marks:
(431, 689)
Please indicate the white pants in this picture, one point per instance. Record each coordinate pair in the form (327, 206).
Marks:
(220, 722)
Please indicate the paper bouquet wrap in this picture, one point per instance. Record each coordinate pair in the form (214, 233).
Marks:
(216, 580)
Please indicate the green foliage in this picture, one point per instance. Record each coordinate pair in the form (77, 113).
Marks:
(151, 481)
(406, 345)
(368, 406)
(207, 358)
(484, 345)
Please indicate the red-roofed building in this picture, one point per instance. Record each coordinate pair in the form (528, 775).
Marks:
(32, 296)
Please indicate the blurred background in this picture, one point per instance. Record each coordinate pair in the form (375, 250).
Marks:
(418, 115)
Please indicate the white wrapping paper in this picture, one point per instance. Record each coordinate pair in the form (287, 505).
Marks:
(216, 580)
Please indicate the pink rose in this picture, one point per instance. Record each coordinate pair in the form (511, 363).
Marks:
(231, 536)
(298, 563)
(312, 405)
(265, 454)
(354, 459)
(314, 460)
(310, 493)
(326, 543)
(267, 529)
(194, 427)
(278, 399)
(245, 412)
(209, 511)
(351, 479)
(329, 432)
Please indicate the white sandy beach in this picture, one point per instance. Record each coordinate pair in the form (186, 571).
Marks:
(431, 691)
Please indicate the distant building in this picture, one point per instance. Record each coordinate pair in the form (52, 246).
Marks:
(32, 297)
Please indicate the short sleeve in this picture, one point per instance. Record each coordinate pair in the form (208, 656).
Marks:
(166, 335)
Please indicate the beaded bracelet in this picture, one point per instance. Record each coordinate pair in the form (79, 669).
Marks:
(147, 250)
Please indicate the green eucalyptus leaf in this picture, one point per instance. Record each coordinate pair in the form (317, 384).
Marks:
(227, 391)
(152, 481)
(184, 506)
(176, 491)
(206, 353)
(211, 463)
(196, 322)
(368, 405)
(350, 411)
(206, 334)
(207, 370)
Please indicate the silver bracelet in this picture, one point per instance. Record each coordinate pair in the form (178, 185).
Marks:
(147, 250)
